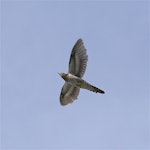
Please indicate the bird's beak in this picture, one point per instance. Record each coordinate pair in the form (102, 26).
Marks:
(59, 74)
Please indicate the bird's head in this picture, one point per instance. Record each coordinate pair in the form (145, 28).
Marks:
(63, 75)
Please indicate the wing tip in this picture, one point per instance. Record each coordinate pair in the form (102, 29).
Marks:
(65, 100)
(79, 41)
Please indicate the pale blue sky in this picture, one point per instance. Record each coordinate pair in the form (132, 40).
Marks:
(36, 41)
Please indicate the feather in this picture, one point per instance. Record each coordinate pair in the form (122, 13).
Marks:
(78, 59)
(68, 94)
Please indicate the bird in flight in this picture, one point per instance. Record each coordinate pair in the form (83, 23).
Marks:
(73, 79)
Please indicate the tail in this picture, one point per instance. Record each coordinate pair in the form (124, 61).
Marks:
(90, 87)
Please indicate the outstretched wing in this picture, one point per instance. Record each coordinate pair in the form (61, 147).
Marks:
(68, 94)
(78, 59)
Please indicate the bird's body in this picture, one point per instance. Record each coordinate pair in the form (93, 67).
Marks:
(79, 82)
(73, 79)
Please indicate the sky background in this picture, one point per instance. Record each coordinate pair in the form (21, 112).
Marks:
(36, 41)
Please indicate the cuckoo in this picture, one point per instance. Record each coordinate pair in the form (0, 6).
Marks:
(73, 79)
